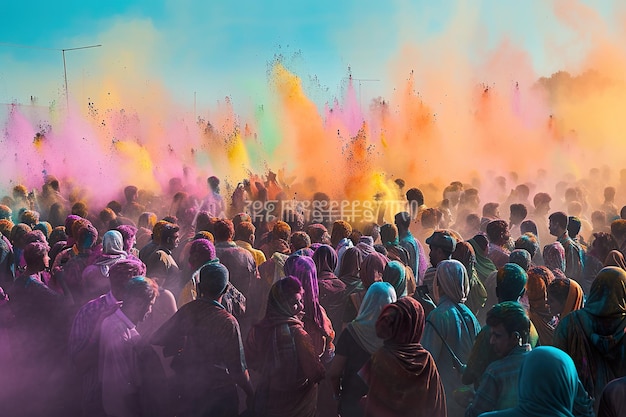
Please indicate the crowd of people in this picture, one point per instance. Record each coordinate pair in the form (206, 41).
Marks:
(195, 306)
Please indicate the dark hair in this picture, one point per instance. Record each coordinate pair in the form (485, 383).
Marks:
(528, 241)
(519, 209)
(541, 198)
(243, 231)
(559, 218)
(168, 231)
(300, 240)
(512, 316)
(115, 206)
(573, 226)
(130, 192)
(496, 229)
(603, 243)
(528, 226)
(559, 289)
(140, 288)
(489, 209)
(223, 230)
(415, 194)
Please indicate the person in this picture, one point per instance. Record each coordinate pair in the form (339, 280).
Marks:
(85, 332)
(574, 255)
(402, 376)
(96, 275)
(464, 253)
(541, 202)
(594, 335)
(603, 244)
(451, 325)
(499, 235)
(395, 274)
(349, 270)
(331, 289)
(213, 202)
(554, 259)
(539, 278)
(372, 269)
(548, 386)
(564, 296)
(442, 245)
(417, 256)
(518, 215)
(355, 345)
(612, 402)
(205, 341)
(510, 330)
(339, 238)
(244, 238)
(281, 350)
(118, 365)
(160, 263)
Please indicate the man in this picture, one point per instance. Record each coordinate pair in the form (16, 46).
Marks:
(574, 255)
(541, 201)
(160, 264)
(415, 200)
(84, 337)
(213, 202)
(206, 342)
(339, 238)
(244, 238)
(118, 365)
(408, 242)
(518, 215)
(498, 234)
(239, 262)
(441, 245)
(509, 334)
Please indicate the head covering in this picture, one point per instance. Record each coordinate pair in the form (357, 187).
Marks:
(350, 263)
(325, 259)
(451, 280)
(484, 265)
(607, 296)
(548, 384)
(303, 268)
(389, 235)
(113, 243)
(395, 274)
(615, 258)
(444, 240)
(575, 298)
(363, 328)
(521, 257)
(366, 245)
(213, 279)
(539, 313)
(87, 237)
(278, 307)
(303, 252)
(510, 282)
(464, 253)
(372, 268)
(554, 256)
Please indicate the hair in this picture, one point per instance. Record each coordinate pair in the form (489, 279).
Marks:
(618, 229)
(496, 229)
(388, 233)
(243, 231)
(80, 209)
(559, 289)
(115, 206)
(519, 210)
(58, 234)
(34, 252)
(18, 232)
(402, 220)
(300, 240)
(203, 248)
(281, 230)
(106, 215)
(598, 216)
(123, 270)
(213, 182)
(316, 232)
(489, 209)
(622, 213)
(512, 316)
(141, 289)
(45, 228)
(213, 280)
(5, 212)
(559, 218)
(609, 193)
(603, 243)
(430, 217)
(147, 219)
(528, 241)
(128, 232)
(541, 198)
(29, 217)
(522, 191)
(415, 194)
(341, 229)
(573, 226)
(223, 230)
(240, 218)
(167, 232)
(5, 227)
(528, 226)
(130, 192)
(204, 221)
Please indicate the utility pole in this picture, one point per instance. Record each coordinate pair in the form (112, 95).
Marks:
(67, 97)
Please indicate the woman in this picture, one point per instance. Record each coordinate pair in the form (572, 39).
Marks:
(548, 386)
(402, 376)
(355, 345)
(371, 271)
(452, 323)
(594, 335)
(539, 278)
(615, 258)
(349, 270)
(316, 321)
(395, 274)
(96, 276)
(602, 244)
(464, 253)
(331, 288)
(564, 296)
(554, 259)
(484, 265)
(282, 351)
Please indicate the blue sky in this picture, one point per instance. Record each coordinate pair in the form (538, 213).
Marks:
(218, 48)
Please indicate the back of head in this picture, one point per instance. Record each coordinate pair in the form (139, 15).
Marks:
(140, 289)
(528, 241)
(496, 231)
(223, 230)
(490, 210)
(618, 230)
(281, 231)
(416, 195)
(122, 271)
(402, 220)
(214, 183)
(528, 226)
(299, 240)
(87, 237)
(130, 193)
(80, 209)
(430, 218)
(518, 210)
(244, 231)
(202, 250)
(510, 282)
(34, 252)
(520, 257)
(239, 218)
(573, 226)
(341, 230)
(389, 234)
(213, 280)
(147, 219)
(541, 198)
